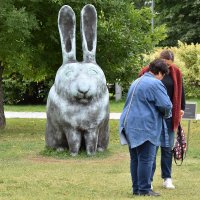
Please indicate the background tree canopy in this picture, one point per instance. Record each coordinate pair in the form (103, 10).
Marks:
(30, 52)
(182, 20)
(30, 43)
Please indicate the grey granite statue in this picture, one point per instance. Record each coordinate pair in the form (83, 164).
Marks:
(78, 101)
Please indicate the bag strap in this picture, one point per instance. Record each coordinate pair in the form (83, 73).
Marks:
(129, 106)
(175, 160)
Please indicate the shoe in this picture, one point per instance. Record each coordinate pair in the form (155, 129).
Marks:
(151, 193)
(168, 184)
(136, 193)
(151, 186)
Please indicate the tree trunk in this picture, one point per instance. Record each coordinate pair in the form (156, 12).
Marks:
(2, 115)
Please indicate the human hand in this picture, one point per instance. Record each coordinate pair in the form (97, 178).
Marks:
(181, 113)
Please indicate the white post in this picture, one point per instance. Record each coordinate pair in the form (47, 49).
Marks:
(152, 20)
(152, 4)
(118, 92)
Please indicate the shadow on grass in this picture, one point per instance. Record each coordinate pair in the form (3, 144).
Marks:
(49, 152)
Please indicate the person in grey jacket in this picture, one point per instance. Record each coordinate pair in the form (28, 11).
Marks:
(141, 124)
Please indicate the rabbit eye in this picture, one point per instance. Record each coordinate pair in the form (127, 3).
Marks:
(92, 72)
(68, 73)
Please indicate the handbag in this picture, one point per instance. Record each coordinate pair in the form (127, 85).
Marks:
(180, 147)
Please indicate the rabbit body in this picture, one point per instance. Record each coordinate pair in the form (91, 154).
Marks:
(77, 109)
(78, 101)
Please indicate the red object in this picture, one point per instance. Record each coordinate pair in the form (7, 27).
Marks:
(177, 79)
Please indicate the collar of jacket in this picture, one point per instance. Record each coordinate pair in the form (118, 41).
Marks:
(149, 74)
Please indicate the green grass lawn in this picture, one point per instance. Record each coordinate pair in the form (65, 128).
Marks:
(25, 108)
(29, 171)
(114, 107)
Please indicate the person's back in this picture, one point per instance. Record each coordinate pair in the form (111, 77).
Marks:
(144, 119)
(141, 123)
(175, 90)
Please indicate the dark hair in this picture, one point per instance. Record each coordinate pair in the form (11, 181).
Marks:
(158, 65)
(167, 54)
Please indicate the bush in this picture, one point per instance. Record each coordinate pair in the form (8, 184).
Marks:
(187, 58)
(20, 91)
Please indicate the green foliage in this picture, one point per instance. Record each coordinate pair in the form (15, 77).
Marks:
(16, 26)
(125, 37)
(14, 89)
(123, 34)
(182, 20)
(140, 3)
(187, 57)
(190, 55)
(22, 91)
(30, 43)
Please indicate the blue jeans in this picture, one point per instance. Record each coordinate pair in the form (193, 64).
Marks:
(166, 154)
(141, 163)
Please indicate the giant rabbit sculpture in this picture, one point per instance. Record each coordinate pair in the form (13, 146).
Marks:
(78, 101)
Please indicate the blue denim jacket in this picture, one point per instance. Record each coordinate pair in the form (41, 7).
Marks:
(143, 113)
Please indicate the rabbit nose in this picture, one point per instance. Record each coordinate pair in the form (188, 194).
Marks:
(83, 87)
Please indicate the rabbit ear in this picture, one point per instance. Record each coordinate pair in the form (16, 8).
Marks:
(89, 32)
(66, 26)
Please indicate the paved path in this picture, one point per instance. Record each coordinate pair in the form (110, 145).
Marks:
(42, 115)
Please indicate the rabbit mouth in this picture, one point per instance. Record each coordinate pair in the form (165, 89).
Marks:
(84, 99)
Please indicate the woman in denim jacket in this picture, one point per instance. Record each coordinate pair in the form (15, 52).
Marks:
(141, 124)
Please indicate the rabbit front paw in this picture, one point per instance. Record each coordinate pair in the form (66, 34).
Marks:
(91, 142)
(73, 154)
(60, 149)
(100, 149)
(74, 142)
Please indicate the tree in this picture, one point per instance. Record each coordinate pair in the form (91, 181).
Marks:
(15, 32)
(30, 43)
(182, 20)
(140, 3)
(124, 33)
